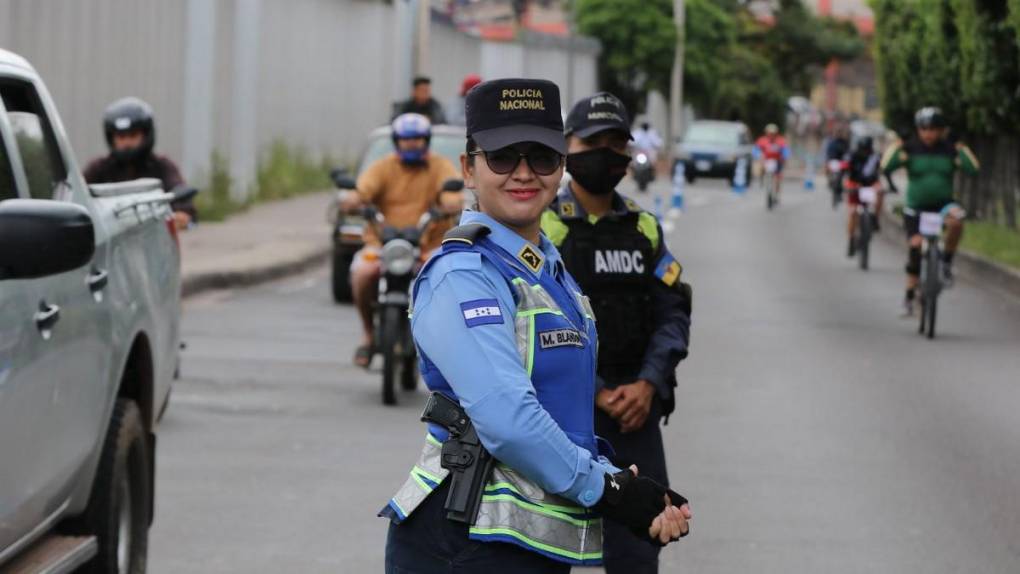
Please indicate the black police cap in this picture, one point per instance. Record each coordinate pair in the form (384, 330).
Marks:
(598, 113)
(509, 111)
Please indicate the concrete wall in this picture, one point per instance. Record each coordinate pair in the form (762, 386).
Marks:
(236, 75)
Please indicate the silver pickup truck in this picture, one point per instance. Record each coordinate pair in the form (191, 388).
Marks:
(89, 315)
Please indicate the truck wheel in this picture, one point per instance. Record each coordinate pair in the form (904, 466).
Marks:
(341, 276)
(118, 510)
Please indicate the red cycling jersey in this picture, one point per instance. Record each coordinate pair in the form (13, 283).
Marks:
(771, 148)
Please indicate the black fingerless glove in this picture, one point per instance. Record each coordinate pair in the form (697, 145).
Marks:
(633, 501)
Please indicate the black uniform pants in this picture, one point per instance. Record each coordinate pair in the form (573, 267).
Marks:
(624, 553)
(429, 543)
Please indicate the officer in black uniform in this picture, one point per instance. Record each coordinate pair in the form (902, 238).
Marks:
(617, 253)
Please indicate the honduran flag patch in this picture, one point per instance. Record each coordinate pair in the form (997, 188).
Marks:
(481, 312)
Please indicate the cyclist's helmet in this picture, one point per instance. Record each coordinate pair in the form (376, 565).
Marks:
(128, 115)
(865, 145)
(929, 117)
(772, 129)
(411, 126)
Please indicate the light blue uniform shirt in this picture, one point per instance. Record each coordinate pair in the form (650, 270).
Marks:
(484, 369)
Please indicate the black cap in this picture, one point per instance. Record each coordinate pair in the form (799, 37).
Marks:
(504, 112)
(598, 113)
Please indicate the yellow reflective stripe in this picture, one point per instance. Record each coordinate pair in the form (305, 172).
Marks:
(537, 544)
(649, 227)
(420, 482)
(538, 311)
(427, 474)
(556, 507)
(536, 508)
(433, 440)
(531, 344)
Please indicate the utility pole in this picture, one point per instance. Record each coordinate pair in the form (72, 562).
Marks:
(423, 19)
(676, 86)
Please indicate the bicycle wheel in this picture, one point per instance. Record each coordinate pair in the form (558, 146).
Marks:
(932, 286)
(864, 237)
(770, 194)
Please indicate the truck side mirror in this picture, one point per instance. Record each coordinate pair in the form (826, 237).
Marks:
(40, 237)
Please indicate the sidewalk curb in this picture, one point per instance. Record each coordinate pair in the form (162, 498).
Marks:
(977, 268)
(202, 282)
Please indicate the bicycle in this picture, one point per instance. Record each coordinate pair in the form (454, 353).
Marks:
(771, 199)
(868, 198)
(931, 284)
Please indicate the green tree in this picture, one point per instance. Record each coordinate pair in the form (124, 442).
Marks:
(989, 78)
(799, 41)
(638, 39)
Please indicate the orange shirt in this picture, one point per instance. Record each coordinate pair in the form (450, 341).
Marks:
(404, 192)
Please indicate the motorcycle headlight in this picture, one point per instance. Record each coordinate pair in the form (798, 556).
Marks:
(397, 257)
(641, 158)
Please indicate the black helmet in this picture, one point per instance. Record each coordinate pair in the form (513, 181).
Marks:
(865, 145)
(127, 115)
(929, 117)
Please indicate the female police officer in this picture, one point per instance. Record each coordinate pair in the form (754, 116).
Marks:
(503, 329)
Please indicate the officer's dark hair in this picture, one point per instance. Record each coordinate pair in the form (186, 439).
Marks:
(470, 147)
(419, 80)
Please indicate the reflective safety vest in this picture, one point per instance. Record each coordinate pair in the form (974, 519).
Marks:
(557, 342)
(613, 260)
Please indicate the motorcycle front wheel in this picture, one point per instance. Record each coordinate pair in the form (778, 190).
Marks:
(391, 324)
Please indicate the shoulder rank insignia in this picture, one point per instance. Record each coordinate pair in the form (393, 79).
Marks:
(531, 258)
(567, 209)
(631, 205)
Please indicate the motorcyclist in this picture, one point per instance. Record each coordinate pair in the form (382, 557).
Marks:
(403, 186)
(421, 102)
(862, 171)
(647, 140)
(130, 130)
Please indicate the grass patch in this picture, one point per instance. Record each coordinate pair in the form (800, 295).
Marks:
(996, 242)
(288, 171)
(214, 202)
(282, 172)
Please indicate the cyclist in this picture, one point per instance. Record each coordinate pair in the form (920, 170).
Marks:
(931, 161)
(862, 171)
(772, 146)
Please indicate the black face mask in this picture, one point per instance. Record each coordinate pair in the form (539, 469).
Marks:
(598, 170)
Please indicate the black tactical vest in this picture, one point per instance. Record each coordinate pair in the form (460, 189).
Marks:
(613, 263)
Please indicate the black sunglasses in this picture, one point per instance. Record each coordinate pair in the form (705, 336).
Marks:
(542, 160)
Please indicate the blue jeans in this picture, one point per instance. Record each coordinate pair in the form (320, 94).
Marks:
(428, 543)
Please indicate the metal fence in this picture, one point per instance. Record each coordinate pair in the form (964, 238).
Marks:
(234, 76)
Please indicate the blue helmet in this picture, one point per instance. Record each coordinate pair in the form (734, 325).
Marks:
(411, 126)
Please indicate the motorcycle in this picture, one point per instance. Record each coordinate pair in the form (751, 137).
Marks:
(399, 262)
(642, 170)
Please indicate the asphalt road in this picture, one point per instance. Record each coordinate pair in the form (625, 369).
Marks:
(815, 430)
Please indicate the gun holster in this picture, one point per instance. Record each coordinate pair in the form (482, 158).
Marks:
(463, 455)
